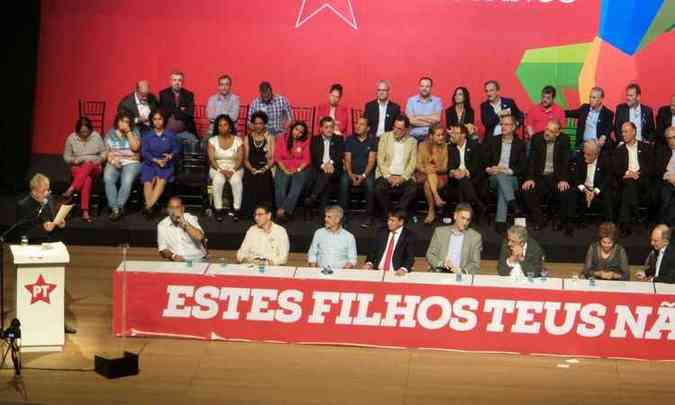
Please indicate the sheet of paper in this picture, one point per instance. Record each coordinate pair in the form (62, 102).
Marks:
(63, 213)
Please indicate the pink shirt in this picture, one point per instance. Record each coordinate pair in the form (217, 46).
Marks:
(297, 156)
(538, 117)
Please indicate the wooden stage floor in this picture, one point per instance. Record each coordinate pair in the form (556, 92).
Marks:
(196, 372)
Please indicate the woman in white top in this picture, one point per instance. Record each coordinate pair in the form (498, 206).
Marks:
(226, 153)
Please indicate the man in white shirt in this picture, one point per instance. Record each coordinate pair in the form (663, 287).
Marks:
(593, 181)
(179, 236)
(265, 240)
(381, 111)
(665, 172)
(634, 168)
(660, 264)
(138, 104)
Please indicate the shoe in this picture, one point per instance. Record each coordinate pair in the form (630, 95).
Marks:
(542, 224)
(235, 215)
(115, 215)
(569, 230)
(500, 228)
(625, 230)
(367, 223)
(69, 330)
(219, 215)
(86, 217)
(514, 208)
(310, 201)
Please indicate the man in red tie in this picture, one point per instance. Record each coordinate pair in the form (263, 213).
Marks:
(393, 249)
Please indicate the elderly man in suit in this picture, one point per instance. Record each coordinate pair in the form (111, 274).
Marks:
(393, 248)
(520, 254)
(593, 179)
(138, 104)
(381, 112)
(456, 248)
(665, 177)
(634, 168)
(660, 264)
(548, 177)
(178, 103)
(665, 119)
(327, 154)
(594, 120)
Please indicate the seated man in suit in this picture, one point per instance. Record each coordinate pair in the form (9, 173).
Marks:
(665, 119)
(660, 264)
(639, 114)
(393, 248)
(178, 103)
(457, 247)
(548, 177)
(396, 162)
(634, 168)
(465, 169)
(381, 112)
(594, 121)
(327, 152)
(593, 180)
(495, 107)
(505, 159)
(665, 177)
(35, 214)
(138, 104)
(520, 254)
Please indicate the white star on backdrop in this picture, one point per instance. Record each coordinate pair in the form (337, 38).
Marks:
(304, 16)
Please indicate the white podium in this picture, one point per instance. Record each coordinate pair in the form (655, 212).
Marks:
(40, 292)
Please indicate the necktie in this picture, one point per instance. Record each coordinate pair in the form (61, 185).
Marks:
(177, 96)
(389, 253)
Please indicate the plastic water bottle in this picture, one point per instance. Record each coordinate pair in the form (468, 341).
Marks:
(544, 275)
(458, 276)
(530, 277)
(262, 265)
(591, 281)
(24, 240)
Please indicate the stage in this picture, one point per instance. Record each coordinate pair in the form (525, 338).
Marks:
(228, 235)
(186, 371)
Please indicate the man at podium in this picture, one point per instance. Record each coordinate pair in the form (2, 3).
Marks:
(35, 213)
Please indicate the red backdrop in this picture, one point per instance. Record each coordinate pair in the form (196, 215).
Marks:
(94, 49)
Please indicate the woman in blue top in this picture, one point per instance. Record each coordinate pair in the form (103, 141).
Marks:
(158, 148)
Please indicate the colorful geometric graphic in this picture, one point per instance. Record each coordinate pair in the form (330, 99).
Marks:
(626, 27)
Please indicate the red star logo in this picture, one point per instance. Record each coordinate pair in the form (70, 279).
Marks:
(40, 290)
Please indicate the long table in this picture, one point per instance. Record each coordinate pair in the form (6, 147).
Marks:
(485, 313)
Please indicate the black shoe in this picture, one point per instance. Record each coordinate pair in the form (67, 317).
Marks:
(69, 330)
(219, 215)
(514, 208)
(500, 228)
(147, 213)
(235, 215)
(569, 230)
(541, 225)
(115, 215)
(310, 201)
(558, 226)
(367, 223)
(625, 230)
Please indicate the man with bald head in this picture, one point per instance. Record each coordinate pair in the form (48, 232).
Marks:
(138, 104)
(660, 264)
(593, 181)
(633, 168)
(594, 120)
(548, 177)
(665, 177)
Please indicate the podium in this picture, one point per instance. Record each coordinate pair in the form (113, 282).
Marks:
(40, 295)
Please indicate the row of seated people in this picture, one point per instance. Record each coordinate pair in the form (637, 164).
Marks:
(456, 248)
(260, 168)
(424, 109)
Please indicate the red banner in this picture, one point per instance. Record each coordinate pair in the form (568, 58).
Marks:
(516, 320)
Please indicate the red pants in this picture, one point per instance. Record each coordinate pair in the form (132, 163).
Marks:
(83, 178)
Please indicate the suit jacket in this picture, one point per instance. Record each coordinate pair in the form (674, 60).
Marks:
(603, 173)
(385, 156)
(336, 152)
(533, 262)
(561, 157)
(623, 115)
(404, 252)
(662, 155)
(451, 118)
(667, 268)
(184, 111)
(472, 247)
(342, 115)
(372, 112)
(645, 159)
(473, 160)
(128, 104)
(492, 147)
(30, 217)
(490, 119)
(664, 119)
(605, 125)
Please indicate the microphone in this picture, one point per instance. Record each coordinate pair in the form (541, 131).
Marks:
(42, 207)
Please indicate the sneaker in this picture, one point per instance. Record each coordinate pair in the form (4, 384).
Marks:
(115, 215)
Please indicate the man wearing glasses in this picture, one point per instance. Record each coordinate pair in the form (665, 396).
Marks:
(35, 213)
(520, 254)
(381, 112)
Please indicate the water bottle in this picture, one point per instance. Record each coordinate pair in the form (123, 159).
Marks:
(24, 240)
(530, 277)
(458, 276)
(262, 265)
(544, 275)
(591, 281)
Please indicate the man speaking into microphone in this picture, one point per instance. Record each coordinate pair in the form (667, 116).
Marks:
(179, 236)
(35, 213)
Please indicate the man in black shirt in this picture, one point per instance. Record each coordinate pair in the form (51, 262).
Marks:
(359, 168)
(35, 213)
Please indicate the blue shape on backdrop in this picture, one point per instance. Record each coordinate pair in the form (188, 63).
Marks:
(623, 23)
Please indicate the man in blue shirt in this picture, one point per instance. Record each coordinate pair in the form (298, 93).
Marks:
(359, 167)
(332, 246)
(424, 110)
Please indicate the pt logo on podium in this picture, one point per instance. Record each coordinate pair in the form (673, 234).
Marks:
(40, 290)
